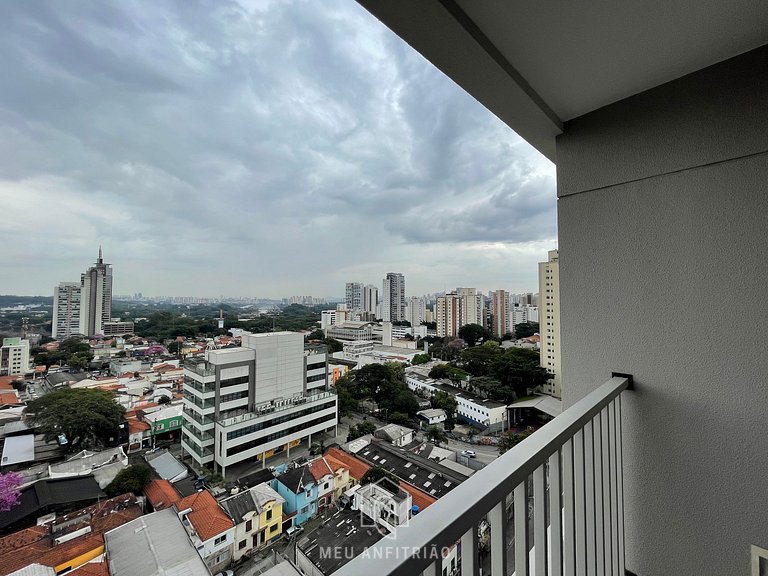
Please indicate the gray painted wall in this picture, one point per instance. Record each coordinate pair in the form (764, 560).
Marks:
(663, 223)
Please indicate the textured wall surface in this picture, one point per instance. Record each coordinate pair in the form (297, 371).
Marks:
(663, 220)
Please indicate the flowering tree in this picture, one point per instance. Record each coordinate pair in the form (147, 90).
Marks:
(9, 490)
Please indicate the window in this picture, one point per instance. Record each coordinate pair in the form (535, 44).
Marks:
(273, 528)
(248, 525)
(242, 545)
(269, 515)
(219, 540)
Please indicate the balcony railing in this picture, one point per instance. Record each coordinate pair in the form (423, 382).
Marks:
(567, 517)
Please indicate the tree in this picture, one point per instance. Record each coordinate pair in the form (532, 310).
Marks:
(361, 429)
(420, 359)
(510, 439)
(175, 347)
(10, 483)
(435, 435)
(131, 479)
(83, 415)
(315, 335)
(164, 400)
(474, 333)
(519, 368)
(333, 345)
(440, 371)
(525, 329)
(401, 419)
(441, 399)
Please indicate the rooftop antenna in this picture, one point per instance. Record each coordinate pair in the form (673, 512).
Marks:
(100, 258)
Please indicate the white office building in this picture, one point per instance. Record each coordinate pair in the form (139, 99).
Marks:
(66, 310)
(252, 401)
(549, 323)
(14, 357)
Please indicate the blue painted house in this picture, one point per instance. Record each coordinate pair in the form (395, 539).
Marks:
(297, 486)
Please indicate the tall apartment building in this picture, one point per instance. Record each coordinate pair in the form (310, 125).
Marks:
(472, 306)
(14, 357)
(521, 315)
(415, 310)
(549, 321)
(66, 310)
(370, 298)
(448, 314)
(95, 297)
(250, 402)
(354, 296)
(393, 297)
(500, 313)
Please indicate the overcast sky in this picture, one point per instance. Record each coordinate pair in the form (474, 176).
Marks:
(252, 149)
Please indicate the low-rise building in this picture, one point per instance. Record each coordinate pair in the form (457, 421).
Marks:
(324, 479)
(482, 413)
(383, 501)
(14, 357)
(210, 529)
(66, 542)
(395, 434)
(298, 488)
(132, 549)
(432, 416)
(161, 494)
(258, 516)
(104, 465)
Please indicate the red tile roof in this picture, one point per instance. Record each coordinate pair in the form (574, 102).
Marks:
(5, 382)
(9, 398)
(34, 545)
(419, 498)
(135, 426)
(357, 468)
(92, 569)
(207, 517)
(161, 494)
(319, 468)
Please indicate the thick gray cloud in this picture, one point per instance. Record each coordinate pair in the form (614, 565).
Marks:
(252, 148)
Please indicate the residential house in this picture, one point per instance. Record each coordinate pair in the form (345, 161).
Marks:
(258, 517)
(161, 494)
(210, 529)
(298, 488)
(354, 467)
(324, 479)
(395, 434)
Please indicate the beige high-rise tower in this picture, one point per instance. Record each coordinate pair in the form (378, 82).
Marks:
(549, 321)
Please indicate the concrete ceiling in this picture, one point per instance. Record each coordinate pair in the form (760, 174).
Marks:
(539, 64)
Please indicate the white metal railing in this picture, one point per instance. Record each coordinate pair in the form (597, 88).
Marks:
(568, 512)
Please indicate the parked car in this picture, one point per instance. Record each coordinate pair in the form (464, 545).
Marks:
(468, 453)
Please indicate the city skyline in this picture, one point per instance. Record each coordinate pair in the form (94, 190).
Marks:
(200, 152)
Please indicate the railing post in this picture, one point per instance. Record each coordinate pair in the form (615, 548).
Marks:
(540, 521)
(498, 518)
(555, 516)
(470, 565)
(521, 529)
